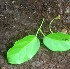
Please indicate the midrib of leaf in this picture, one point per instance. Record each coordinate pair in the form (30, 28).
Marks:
(21, 48)
(59, 36)
(30, 42)
(57, 39)
(17, 43)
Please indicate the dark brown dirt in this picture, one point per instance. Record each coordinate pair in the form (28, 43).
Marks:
(19, 18)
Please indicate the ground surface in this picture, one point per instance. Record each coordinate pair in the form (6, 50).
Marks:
(19, 18)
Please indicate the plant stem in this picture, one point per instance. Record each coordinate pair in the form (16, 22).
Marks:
(42, 32)
(39, 29)
(50, 25)
(58, 17)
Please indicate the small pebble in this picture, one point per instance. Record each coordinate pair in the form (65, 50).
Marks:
(64, 31)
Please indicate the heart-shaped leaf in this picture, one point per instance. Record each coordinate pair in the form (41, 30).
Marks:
(23, 50)
(57, 41)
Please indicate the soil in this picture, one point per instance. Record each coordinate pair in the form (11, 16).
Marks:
(19, 18)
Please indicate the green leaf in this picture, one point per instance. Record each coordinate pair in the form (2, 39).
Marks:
(23, 50)
(57, 41)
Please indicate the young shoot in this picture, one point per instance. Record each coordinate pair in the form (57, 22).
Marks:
(39, 29)
(58, 17)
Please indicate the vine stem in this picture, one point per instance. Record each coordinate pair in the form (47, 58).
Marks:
(39, 29)
(50, 25)
(42, 32)
(58, 17)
